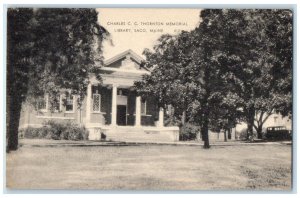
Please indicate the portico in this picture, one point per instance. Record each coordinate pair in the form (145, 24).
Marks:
(118, 101)
(116, 111)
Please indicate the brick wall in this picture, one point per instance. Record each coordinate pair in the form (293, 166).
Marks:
(32, 117)
(104, 117)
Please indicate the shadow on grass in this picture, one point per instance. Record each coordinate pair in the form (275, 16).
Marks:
(267, 177)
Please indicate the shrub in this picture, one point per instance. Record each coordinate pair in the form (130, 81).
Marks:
(243, 134)
(43, 132)
(56, 131)
(188, 132)
(73, 132)
(30, 133)
(170, 120)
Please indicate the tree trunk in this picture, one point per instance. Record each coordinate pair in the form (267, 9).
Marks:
(259, 131)
(250, 123)
(183, 118)
(225, 135)
(204, 131)
(261, 122)
(229, 133)
(14, 105)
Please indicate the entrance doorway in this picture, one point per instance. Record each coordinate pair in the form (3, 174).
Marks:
(121, 115)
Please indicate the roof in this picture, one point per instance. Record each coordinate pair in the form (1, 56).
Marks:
(135, 56)
(134, 65)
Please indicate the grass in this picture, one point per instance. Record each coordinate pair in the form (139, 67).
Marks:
(274, 177)
(151, 167)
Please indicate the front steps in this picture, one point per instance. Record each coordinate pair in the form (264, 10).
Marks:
(135, 134)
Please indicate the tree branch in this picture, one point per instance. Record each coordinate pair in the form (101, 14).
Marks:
(256, 128)
(268, 115)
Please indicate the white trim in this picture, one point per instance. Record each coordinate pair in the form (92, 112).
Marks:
(73, 109)
(125, 76)
(138, 111)
(69, 112)
(160, 128)
(55, 117)
(136, 57)
(31, 125)
(88, 103)
(46, 98)
(152, 128)
(161, 117)
(99, 112)
(114, 105)
(148, 115)
(125, 70)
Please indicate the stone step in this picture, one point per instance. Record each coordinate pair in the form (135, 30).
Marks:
(134, 134)
(140, 136)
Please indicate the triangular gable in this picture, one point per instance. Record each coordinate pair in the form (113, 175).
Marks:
(127, 60)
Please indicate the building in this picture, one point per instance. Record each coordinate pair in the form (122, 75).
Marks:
(273, 120)
(111, 108)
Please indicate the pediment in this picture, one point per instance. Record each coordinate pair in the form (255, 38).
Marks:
(127, 60)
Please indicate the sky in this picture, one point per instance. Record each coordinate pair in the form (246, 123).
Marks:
(139, 28)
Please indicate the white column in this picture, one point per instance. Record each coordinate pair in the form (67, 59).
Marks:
(138, 111)
(88, 103)
(161, 117)
(114, 106)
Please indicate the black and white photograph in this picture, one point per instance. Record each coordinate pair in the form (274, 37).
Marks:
(149, 99)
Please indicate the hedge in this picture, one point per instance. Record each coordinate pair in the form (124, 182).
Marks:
(56, 131)
(188, 132)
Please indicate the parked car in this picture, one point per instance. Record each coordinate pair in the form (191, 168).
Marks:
(278, 133)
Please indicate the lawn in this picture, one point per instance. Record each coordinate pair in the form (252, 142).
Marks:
(151, 167)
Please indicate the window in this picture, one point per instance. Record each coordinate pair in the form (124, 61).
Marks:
(42, 104)
(70, 103)
(143, 107)
(96, 103)
(57, 103)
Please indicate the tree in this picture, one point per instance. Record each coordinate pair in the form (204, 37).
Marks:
(209, 81)
(170, 81)
(65, 48)
(185, 74)
(252, 50)
(257, 62)
(234, 63)
(19, 50)
(182, 76)
(278, 30)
